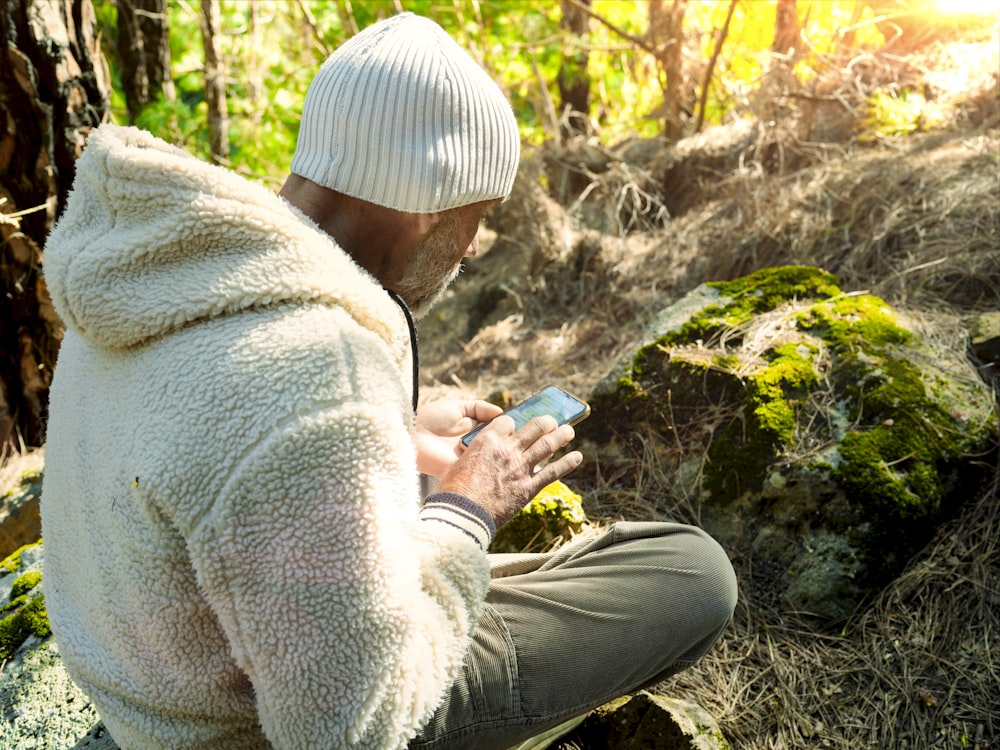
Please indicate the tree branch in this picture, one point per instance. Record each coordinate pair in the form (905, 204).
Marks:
(723, 33)
(637, 41)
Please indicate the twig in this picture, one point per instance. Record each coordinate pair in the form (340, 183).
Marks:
(636, 40)
(723, 33)
(311, 23)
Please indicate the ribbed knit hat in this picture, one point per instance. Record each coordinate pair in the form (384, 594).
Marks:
(401, 116)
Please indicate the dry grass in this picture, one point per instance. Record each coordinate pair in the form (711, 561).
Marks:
(916, 669)
(915, 222)
(14, 464)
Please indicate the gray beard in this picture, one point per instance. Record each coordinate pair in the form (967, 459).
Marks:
(425, 302)
(431, 272)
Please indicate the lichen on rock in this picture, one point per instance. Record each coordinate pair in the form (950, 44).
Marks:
(40, 706)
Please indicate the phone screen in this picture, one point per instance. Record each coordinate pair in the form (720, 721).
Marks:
(566, 409)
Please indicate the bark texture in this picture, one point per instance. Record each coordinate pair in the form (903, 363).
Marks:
(144, 53)
(666, 34)
(215, 82)
(574, 78)
(53, 91)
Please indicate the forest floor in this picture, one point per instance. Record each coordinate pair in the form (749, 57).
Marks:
(585, 254)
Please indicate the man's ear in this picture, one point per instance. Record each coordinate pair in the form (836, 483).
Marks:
(425, 223)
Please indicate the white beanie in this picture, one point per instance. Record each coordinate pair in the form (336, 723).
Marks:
(401, 116)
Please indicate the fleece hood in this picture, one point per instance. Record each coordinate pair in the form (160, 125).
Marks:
(153, 239)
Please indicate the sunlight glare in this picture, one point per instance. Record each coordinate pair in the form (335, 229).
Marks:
(976, 7)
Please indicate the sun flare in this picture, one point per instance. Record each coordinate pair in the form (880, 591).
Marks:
(969, 7)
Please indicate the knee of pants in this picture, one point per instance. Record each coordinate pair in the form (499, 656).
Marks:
(720, 584)
(690, 601)
(711, 587)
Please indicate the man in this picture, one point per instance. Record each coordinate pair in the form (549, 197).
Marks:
(237, 551)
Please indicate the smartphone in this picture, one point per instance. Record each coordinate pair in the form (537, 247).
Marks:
(566, 409)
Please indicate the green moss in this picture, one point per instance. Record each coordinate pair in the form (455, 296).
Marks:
(702, 328)
(28, 618)
(741, 453)
(25, 613)
(772, 389)
(751, 295)
(852, 322)
(901, 437)
(25, 583)
(554, 512)
(626, 387)
(891, 468)
(770, 288)
(12, 563)
(739, 457)
(726, 362)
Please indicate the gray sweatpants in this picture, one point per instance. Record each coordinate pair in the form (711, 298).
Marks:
(565, 632)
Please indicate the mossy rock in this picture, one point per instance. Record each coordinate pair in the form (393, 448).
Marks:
(554, 513)
(40, 706)
(643, 721)
(809, 412)
(22, 605)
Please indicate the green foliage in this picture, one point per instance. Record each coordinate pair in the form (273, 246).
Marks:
(271, 50)
(892, 114)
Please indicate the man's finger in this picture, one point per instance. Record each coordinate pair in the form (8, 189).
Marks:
(554, 470)
(536, 429)
(548, 443)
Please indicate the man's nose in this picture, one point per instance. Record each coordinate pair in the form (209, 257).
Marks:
(473, 248)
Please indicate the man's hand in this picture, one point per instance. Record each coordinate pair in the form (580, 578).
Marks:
(502, 470)
(440, 426)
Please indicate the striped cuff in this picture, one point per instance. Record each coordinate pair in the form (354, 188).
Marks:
(460, 512)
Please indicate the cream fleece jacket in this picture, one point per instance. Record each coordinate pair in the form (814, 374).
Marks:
(235, 551)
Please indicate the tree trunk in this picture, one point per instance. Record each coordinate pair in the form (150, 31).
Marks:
(144, 53)
(215, 82)
(574, 79)
(53, 91)
(786, 28)
(666, 32)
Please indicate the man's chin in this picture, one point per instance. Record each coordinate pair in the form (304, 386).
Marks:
(422, 304)
(420, 307)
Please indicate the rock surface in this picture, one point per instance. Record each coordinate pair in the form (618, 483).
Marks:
(40, 706)
(20, 521)
(645, 721)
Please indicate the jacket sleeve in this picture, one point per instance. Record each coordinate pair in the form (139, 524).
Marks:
(348, 606)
